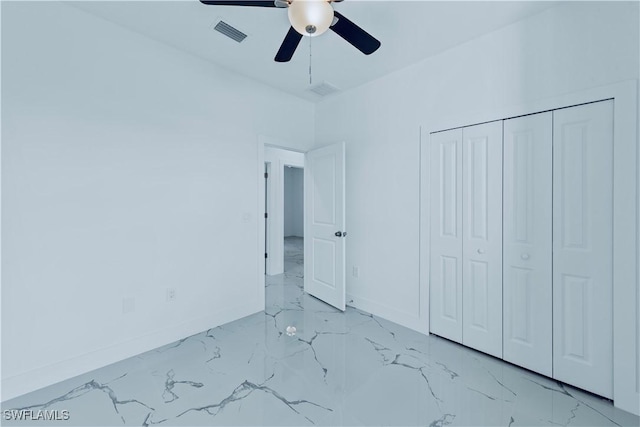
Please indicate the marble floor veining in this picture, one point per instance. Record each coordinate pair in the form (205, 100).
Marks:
(348, 368)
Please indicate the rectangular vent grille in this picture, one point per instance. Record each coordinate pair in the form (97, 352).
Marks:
(229, 31)
(324, 89)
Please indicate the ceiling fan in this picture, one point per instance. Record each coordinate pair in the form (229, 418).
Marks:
(310, 18)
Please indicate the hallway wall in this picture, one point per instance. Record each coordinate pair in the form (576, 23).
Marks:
(293, 202)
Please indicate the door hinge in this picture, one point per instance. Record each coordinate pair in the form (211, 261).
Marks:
(265, 255)
(266, 215)
(266, 175)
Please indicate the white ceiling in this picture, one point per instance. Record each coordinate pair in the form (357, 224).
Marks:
(409, 31)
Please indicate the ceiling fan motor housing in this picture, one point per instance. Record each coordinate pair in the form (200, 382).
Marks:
(310, 17)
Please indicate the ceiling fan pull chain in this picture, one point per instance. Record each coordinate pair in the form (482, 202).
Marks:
(310, 80)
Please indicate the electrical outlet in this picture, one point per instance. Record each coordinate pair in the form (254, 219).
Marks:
(171, 294)
(356, 272)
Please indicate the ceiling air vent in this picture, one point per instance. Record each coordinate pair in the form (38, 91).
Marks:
(324, 89)
(229, 31)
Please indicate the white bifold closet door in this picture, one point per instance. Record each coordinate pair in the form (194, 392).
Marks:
(527, 276)
(482, 237)
(582, 246)
(446, 234)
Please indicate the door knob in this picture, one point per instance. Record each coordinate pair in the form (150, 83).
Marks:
(480, 251)
(524, 256)
(338, 233)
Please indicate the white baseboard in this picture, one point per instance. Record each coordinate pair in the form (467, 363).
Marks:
(35, 379)
(407, 320)
(629, 403)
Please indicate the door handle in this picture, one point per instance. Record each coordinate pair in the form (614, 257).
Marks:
(338, 233)
(480, 251)
(524, 256)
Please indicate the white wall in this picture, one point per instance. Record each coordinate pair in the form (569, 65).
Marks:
(126, 169)
(565, 49)
(293, 202)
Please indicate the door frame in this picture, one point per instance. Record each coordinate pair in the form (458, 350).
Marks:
(626, 221)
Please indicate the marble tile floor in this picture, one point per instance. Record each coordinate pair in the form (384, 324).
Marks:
(348, 368)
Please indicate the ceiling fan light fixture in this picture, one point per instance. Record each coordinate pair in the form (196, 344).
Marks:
(310, 17)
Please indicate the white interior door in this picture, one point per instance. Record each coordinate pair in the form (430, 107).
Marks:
(482, 237)
(527, 242)
(324, 241)
(445, 281)
(582, 246)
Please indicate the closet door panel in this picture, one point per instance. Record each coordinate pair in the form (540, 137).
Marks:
(527, 276)
(482, 242)
(445, 282)
(582, 247)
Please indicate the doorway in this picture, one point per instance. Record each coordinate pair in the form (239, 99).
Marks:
(321, 239)
(284, 206)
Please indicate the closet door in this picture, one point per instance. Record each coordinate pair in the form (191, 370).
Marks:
(482, 238)
(445, 282)
(527, 255)
(582, 246)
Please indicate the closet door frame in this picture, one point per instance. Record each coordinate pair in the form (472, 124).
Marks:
(626, 178)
